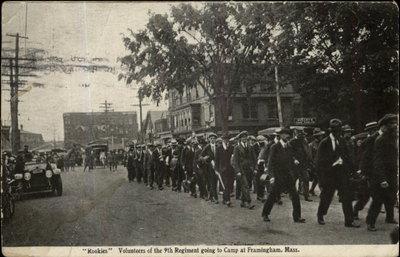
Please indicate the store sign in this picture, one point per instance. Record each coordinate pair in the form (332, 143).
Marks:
(305, 121)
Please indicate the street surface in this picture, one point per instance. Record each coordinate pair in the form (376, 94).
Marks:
(102, 208)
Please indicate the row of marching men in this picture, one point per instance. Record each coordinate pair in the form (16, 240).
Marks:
(274, 164)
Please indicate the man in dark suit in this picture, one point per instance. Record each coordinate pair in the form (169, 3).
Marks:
(223, 166)
(130, 164)
(158, 165)
(188, 155)
(384, 174)
(199, 166)
(280, 165)
(302, 163)
(208, 155)
(334, 166)
(244, 166)
(262, 158)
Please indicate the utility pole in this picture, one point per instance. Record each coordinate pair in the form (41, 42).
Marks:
(14, 89)
(278, 97)
(107, 108)
(140, 115)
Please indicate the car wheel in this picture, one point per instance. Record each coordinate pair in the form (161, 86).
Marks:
(58, 186)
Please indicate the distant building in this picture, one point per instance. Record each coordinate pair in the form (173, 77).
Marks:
(193, 111)
(33, 140)
(155, 122)
(118, 128)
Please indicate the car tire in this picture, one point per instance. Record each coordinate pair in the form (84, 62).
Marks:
(58, 189)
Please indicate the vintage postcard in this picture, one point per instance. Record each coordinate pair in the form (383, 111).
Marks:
(199, 128)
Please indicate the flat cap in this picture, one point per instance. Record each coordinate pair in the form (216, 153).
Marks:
(174, 142)
(242, 134)
(347, 128)
(371, 125)
(318, 132)
(335, 123)
(388, 118)
(212, 135)
(251, 137)
(218, 140)
(260, 138)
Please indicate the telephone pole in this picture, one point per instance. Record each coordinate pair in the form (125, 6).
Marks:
(107, 108)
(14, 82)
(140, 115)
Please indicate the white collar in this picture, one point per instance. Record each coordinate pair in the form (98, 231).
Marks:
(283, 143)
(332, 137)
(380, 132)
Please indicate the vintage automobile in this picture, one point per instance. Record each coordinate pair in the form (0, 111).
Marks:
(39, 178)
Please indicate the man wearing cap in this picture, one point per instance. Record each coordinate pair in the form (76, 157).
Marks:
(302, 162)
(244, 163)
(366, 152)
(150, 164)
(199, 166)
(313, 146)
(188, 155)
(158, 162)
(223, 166)
(167, 156)
(383, 176)
(262, 158)
(333, 164)
(130, 164)
(208, 154)
(280, 164)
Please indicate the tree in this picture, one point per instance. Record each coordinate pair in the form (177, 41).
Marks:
(341, 57)
(212, 46)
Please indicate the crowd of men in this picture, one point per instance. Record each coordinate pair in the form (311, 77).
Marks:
(284, 162)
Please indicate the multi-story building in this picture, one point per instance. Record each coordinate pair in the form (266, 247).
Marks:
(118, 128)
(155, 123)
(33, 140)
(193, 111)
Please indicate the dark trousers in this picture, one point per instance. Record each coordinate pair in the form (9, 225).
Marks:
(228, 179)
(151, 176)
(386, 196)
(139, 173)
(200, 179)
(160, 175)
(277, 188)
(212, 184)
(245, 179)
(145, 175)
(131, 173)
(337, 181)
(260, 188)
(301, 174)
(238, 187)
(167, 175)
(177, 178)
(191, 178)
(363, 195)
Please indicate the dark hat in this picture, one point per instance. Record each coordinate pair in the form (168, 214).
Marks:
(347, 128)
(174, 142)
(284, 130)
(212, 135)
(158, 144)
(318, 132)
(371, 125)
(218, 140)
(388, 118)
(335, 123)
(251, 137)
(260, 138)
(242, 134)
(150, 144)
(308, 130)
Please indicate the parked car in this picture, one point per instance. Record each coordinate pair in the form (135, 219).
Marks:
(38, 178)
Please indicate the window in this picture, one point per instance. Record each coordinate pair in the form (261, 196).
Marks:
(249, 112)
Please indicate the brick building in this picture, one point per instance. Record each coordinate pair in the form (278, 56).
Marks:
(118, 128)
(192, 111)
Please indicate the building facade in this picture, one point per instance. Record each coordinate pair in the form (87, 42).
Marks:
(155, 123)
(193, 111)
(118, 128)
(33, 140)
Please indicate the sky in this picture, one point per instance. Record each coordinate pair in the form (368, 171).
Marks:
(67, 29)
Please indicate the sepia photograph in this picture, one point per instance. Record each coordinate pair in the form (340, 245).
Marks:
(199, 128)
